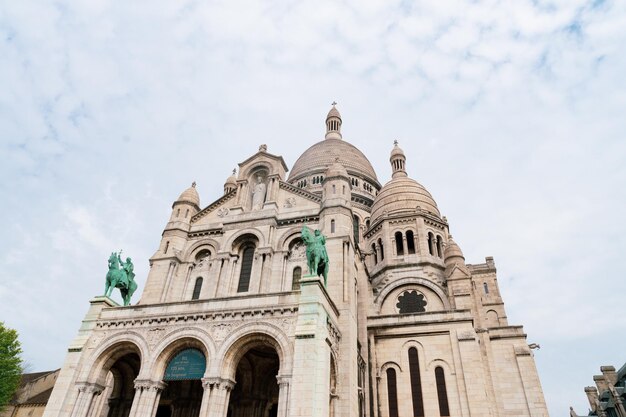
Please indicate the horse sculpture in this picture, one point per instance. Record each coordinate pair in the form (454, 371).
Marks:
(317, 258)
(122, 278)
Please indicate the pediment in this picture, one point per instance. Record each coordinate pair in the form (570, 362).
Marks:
(218, 209)
(457, 271)
(292, 198)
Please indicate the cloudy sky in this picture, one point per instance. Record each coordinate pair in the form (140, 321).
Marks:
(510, 112)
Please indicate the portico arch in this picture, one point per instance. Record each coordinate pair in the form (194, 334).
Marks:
(181, 365)
(255, 361)
(109, 387)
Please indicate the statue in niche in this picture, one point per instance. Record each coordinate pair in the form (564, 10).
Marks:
(258, 194)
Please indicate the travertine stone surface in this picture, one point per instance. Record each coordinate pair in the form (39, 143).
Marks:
(230, 280)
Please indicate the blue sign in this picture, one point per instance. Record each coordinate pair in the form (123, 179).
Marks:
(187, 364)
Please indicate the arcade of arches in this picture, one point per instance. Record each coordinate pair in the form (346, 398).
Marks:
(185, 392)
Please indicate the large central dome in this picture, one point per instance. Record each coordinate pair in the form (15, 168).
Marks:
(323, 154)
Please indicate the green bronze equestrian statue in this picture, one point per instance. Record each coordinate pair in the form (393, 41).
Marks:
(122, 278)
(316, 256)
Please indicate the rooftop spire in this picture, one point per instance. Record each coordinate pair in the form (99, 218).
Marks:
(333, 123)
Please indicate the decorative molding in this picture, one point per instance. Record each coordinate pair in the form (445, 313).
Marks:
(208, 232)
(201, 317)
(290, 202)
(299, 191)
(466, 335)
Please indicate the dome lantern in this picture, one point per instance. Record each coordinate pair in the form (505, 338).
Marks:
(398, 161)
(333, 123)
(231, 182)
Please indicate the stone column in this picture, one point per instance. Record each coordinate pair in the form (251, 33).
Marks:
(220, 395)
(86, 394)
(147, 395)
(283, 395)
(207, 386)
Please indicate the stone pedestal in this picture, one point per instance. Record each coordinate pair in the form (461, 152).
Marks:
(310, 389)
(67, 398)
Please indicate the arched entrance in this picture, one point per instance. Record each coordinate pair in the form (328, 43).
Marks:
(183, 395)
(256, 391)
(117, 397)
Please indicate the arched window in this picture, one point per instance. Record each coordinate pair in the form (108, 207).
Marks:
(355, 228)
(442, 395)
(392, 392)
(295, 282)
(416, 383)
(399, 244)
(167, 246)
(246, 269)
(375, 254)
(382, 249)
(334, 189)
(410, 242)
(187, 213)
(439, 247)
(367, 224)
(486, 287)
(177, 212)
(197, 288)
(431, 243)
(332, 226)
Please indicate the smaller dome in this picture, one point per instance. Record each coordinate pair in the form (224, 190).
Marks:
(232, 180)
(190, 195)
(452, 251)
(336, 170)
(402, 195)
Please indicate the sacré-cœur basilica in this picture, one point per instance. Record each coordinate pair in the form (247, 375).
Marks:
(232, 323)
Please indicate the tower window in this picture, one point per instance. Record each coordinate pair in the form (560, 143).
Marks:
(332, 226)
(399, 244)
(442, 395)
(297, 275)
(334, 189)
(382, 249)
(197, 288)
(410, 242)
(177, 212)
(167, 246)
(375, 254)
(439, 247)
(416, 384)
(431, 243)
(355, 228)
(246, 269)
(392, 392)
(486, 287)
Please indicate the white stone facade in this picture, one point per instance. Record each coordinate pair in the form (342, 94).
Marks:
(404, 327)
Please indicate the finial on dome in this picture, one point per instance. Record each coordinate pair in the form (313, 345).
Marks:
(234, 171)
(333, 123)
(193, 184)
(398, 161)
(263, 148)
